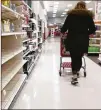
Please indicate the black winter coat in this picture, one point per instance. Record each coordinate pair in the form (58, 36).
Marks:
(80, 25)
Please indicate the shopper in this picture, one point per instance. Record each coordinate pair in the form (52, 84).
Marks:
(80, 25)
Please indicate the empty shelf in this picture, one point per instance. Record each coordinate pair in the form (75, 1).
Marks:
(8, 75)
(7, 94)
(13, 33)
(10, 55)
(8, 13)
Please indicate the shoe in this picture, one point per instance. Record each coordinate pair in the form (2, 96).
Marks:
(74, 81)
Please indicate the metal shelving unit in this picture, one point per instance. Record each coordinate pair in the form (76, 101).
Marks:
(12, 74)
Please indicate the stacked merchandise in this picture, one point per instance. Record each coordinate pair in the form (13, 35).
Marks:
(95, 42)
(31, 42)
(40, 39)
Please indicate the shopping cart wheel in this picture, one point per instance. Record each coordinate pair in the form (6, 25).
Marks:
(84, 74)
(60, 73)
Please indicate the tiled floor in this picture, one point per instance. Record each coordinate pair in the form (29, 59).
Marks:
(45, 89)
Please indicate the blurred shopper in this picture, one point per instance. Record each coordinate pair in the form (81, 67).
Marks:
(80, 25)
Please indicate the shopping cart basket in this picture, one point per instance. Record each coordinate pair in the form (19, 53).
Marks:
(65, 54)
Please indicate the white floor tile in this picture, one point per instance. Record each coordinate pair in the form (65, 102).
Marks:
(45, 89)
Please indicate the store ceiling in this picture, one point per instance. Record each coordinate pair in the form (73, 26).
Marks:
(62, 5)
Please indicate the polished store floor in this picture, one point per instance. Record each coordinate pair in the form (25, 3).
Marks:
(45, 89)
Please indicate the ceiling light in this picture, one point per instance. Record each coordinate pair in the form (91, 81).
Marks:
(56, 3)
(54, 11)
(64, 13)
(66, 9)
(87, 1)
(90, 8)
(69, 5)
(55, 6)
(50, 24)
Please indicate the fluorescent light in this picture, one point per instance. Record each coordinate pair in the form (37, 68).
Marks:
(55, 6)
(87, 1)
(90, 8)
(56, 3)
(54, 11)
(66, 9)
(64, 13)
(69, 5)
(50, 24)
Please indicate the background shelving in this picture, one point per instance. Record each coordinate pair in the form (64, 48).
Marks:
(95, 42)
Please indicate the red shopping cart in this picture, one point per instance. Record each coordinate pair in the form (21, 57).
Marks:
(65, 54)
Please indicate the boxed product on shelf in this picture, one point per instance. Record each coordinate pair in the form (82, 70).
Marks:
(2, 26)
(93, 49)
(13, 6)
(6, 3)
(6, 25)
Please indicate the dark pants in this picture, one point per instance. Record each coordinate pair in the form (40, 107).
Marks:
(76, 58)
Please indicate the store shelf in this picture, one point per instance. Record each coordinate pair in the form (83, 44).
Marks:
(12, 89)
(26, 40)
(13, 33)
(26, 53)
(94, 52)
(98, 31)
(24, 26)
(95, 38)
(33, 63)
(11, 54)
(33, 20)
(97, 24)
(96, 45)
(8, 75)
(8, 13)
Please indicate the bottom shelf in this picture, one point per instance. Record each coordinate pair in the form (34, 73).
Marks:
(33, 63)
(11, 90)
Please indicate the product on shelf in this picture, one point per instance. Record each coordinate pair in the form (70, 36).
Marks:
(6, 3)
(6, 25)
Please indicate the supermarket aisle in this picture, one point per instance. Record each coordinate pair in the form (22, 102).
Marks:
(46, 90)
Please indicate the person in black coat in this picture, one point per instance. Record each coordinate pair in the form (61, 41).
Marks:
(80, 26)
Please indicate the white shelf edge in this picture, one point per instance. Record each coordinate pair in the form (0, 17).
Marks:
(13, 33)
(98, 31)
(15, 90)
(95, 38)
(96, 45)
(14, 12)
(25, 25)
(26, 53)
(14, 72)
(94, 52)
(10, 56)
(25, 40)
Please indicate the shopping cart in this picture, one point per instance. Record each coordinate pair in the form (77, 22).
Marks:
(65, 54)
